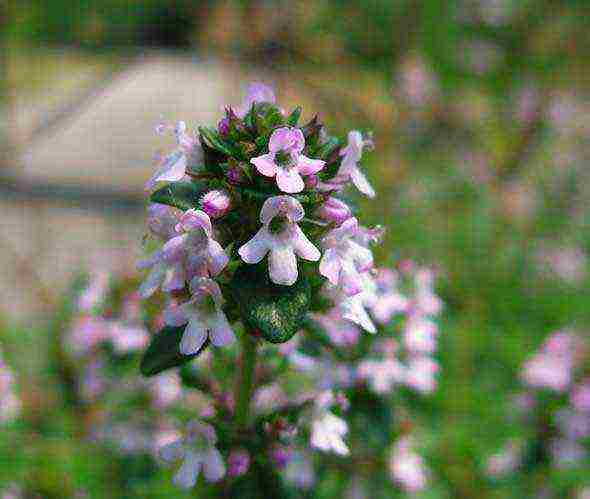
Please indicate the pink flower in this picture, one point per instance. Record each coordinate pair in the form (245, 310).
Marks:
(204, 316)
(87, 332)
(389, 300)
(204, 256)
(173, 167)
(580, 397)
(341, 332)
(95, 292)
(165, 389)
(334, 210)
(216, 203)
(282, 238)
(419, 335)
(382, 375)
(349, 169)
(162, 220)
(285, 161)
(421, 374)
(128, 338)
(406, 467)
(255, 93)
(344, 259)
(198, 452)
(327, 429)
(238, 462)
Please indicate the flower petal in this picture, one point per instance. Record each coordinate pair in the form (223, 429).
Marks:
(330, 266)
(282, 266)
(265, 164)
(303, 247)
(286, 139)
(308, 166)
(218, 259)
(175, 316)
(173, 168)
(194, 220)
(361, 183)
(186, 476)
(173, 250)
(257, 247)
(221, 333)
(289, 180)
(194, 336)
(172, 452)
(175, 278)
(287, 205)
(153, 281)
(213, 466)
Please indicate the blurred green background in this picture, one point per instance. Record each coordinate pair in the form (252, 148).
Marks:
(481, 118)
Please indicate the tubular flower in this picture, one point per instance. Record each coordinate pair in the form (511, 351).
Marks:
(197, 452)
(204, 316)
(282, 238)
(285, 160)
(349, 168)
(344, 259)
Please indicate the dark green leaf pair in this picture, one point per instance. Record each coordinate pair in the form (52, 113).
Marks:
(163, 351)
(181, 195)
(276, 312)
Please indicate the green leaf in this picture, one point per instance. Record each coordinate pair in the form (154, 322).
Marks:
(213, 140)
(163, 351)
(293, 118)
(182, 195)
(276, 311)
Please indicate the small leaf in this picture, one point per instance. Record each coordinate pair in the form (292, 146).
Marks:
(163, 352)
(293, 118)
(276, 311)
(181, 195)
(212, 139)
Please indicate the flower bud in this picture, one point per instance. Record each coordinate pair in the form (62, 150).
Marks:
(223, 126)
(280, 456)
(335, 211)
(311, 181)
(216, 203)
(238, 462)
(235, 175)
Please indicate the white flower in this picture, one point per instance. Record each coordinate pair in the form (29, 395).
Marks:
(204, 316)
(352, 155)
(327, 429)
(173, 167)
(197, 451)
(282, 238)
(406, 467)
(344, 259)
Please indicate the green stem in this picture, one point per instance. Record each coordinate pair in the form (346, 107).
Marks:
(245, 385)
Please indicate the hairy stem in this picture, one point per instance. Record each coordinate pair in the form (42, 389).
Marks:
(245, 385)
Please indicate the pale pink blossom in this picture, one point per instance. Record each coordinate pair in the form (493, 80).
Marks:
(198, 453)
(165, 389)
(407, 467)
(256, 93)
(281, 237)
(419, 334)
(334, 210)
(344, 259)
(95, 292)
(204, 315)
(382, 374)
(421, 374)
(128, 337)
(285, 160)
(580, 396)
(506, 460)
(341, 332)
(327, 429)
(349, 168)
(172, 168)
(389, 300)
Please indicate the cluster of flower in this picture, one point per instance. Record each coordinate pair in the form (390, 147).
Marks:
(261, 185)
(556, 387)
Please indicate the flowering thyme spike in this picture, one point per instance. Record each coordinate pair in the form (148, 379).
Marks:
(259, 185)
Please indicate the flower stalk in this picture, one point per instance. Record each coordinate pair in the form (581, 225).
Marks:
(245, 381)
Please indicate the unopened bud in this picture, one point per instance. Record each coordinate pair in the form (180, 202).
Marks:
(216, 203)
